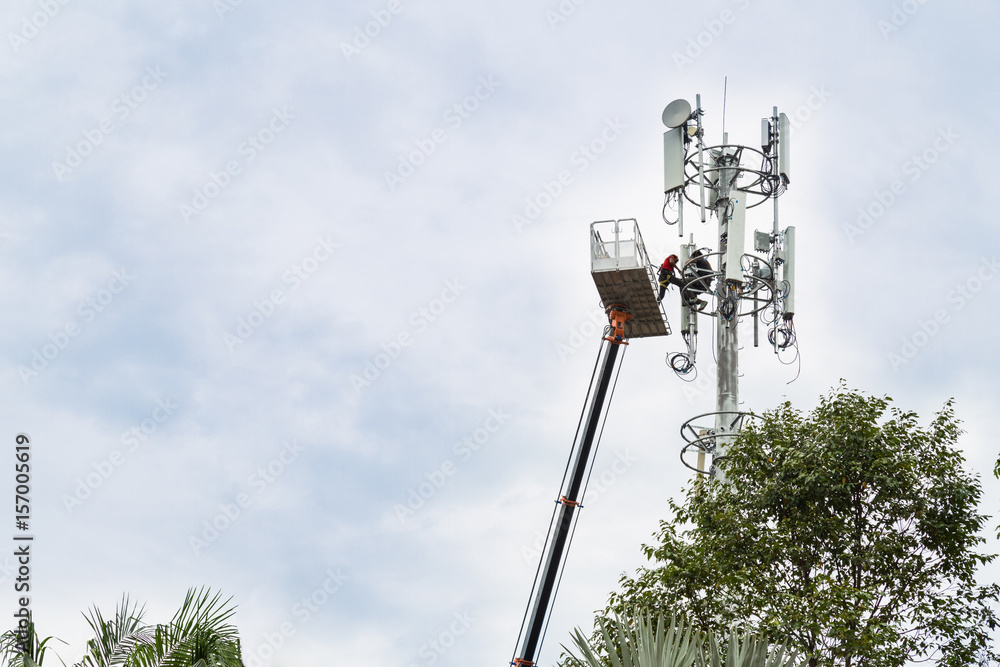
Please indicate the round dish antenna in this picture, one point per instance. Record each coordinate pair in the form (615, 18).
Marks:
(676, 113)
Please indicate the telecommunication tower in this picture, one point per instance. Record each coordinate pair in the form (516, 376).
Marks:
(759, 283)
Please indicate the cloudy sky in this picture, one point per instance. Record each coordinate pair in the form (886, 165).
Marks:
(270, 268)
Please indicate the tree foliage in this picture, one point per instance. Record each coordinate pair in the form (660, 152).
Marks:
(850, 532)
(650, 641)
(996, 473)
(199, 635)
(23, 647)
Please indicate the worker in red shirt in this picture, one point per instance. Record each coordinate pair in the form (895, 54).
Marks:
(669, 271)
(668, 275)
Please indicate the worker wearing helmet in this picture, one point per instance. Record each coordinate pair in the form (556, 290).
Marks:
(668, 275)
(669, 271)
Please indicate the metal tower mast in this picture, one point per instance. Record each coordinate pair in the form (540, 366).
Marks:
(758, 284)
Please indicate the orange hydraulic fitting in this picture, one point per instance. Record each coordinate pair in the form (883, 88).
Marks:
(618, 315)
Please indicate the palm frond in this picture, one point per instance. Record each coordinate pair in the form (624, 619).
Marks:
(199, 632)
(747, 650)
(113, 638)
(16, 652)
(648, 642)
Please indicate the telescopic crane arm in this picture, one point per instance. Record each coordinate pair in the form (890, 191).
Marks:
(574, 484)
(627, 283)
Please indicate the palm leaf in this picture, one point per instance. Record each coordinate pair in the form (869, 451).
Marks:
(648, 642)
(200, 632)
(15, 653)
(748, 651)
(113, 638)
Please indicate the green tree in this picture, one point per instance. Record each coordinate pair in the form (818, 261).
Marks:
(112, 636)
(199, 635)
(23, 648)
(996, 473)
(850, 533)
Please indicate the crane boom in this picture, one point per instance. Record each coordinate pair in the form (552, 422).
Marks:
(572, 489)
(627, 283)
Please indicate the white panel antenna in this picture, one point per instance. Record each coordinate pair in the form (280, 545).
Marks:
(673, 159)
(735, 236)
(784, 132)
(788, 271)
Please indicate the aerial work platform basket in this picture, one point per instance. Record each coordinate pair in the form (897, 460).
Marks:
(623, 275)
